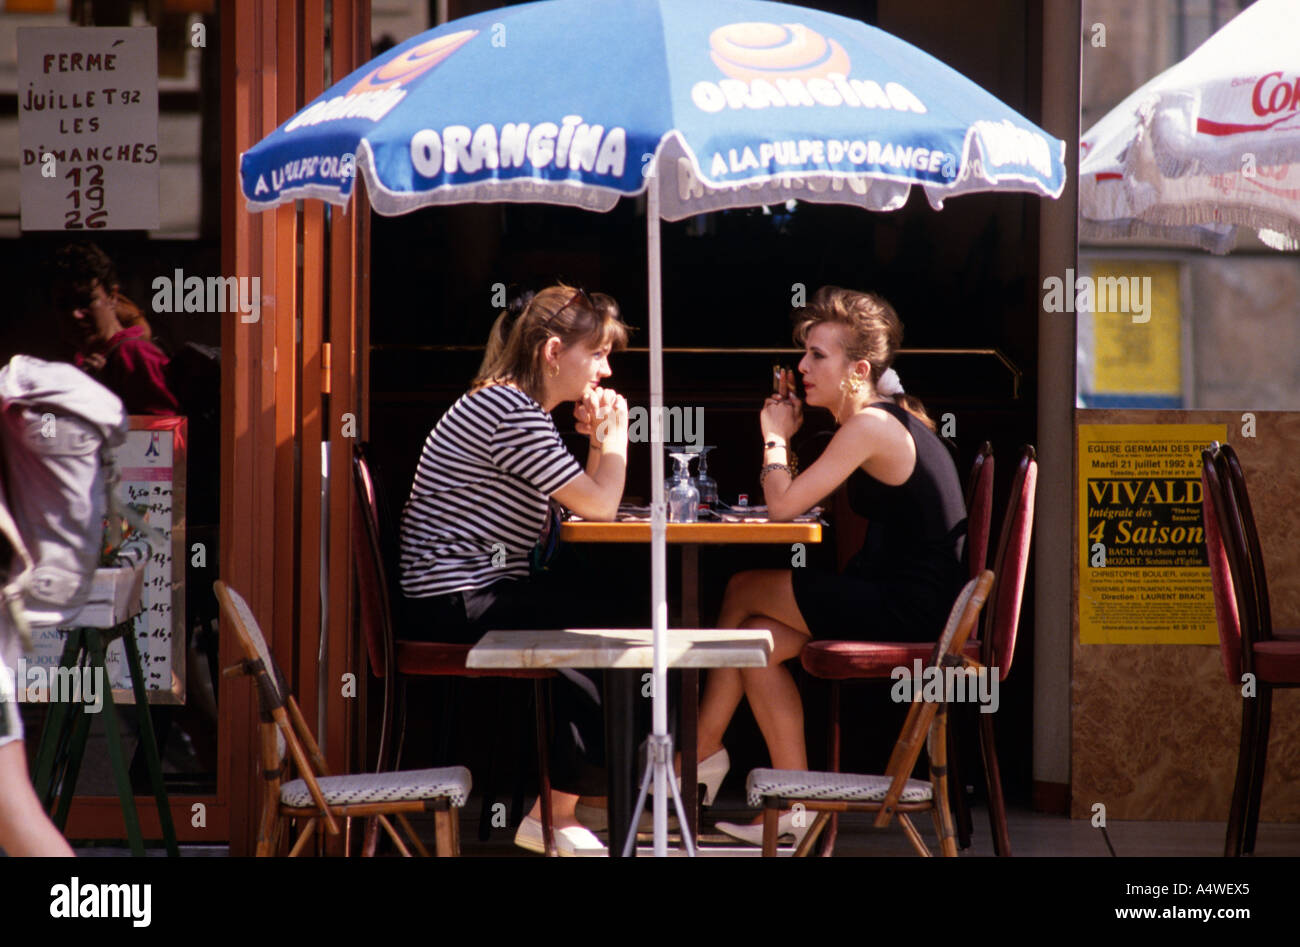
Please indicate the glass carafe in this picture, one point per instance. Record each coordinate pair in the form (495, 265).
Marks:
(683, 497)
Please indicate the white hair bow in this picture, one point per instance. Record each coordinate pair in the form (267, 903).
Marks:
(889, 384)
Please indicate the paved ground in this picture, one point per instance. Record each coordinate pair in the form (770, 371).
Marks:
(1032, 834)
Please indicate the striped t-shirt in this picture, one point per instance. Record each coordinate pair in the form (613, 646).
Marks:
(480, 496)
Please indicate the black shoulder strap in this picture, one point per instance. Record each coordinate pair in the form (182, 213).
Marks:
(894, 408)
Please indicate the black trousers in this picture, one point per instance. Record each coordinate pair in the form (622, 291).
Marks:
(549, 599)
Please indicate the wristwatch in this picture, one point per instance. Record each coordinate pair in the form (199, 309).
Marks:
(791, 458)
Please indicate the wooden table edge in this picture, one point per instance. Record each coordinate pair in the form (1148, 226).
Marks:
(712, 533)
(493, 650)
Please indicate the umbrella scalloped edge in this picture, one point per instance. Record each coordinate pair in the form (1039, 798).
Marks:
(829, 187)
(1218, 242)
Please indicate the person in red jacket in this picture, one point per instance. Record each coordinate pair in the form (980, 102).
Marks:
(114, 343)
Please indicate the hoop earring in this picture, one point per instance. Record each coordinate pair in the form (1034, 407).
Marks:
(555, 370)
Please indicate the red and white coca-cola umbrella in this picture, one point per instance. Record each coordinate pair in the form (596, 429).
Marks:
(1209, 146)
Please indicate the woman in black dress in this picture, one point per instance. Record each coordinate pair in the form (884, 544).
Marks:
(900, 586)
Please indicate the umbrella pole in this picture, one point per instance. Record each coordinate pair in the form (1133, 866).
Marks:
(659, 748)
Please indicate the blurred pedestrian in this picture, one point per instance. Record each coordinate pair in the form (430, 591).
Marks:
(114, 341)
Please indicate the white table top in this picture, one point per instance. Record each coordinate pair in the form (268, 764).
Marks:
(621, 648)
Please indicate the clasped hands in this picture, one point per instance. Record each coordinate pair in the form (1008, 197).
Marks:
(600, 414)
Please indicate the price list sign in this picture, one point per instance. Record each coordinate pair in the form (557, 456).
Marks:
(152, 468)
(88, 128)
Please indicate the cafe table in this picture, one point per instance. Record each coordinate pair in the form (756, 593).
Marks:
(742, 527)
(623, 652)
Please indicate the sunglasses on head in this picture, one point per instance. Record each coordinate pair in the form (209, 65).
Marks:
(572, 300)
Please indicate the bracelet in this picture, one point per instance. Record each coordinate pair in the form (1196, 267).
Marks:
(768, 468)
(790, 455)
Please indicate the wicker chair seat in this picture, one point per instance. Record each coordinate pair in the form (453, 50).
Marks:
(832, 787)
(449, 782)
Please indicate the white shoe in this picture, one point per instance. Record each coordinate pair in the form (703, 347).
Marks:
(709, 772)
(753, 833)
(572, 841)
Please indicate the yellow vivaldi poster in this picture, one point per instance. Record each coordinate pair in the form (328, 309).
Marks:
(1143, 573)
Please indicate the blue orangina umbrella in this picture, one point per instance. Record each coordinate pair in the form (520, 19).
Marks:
(699, 104)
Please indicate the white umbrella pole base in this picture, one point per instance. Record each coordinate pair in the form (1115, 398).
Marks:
(659, 763)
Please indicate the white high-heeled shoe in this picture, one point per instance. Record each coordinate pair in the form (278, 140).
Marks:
(570, 841)
(709, 772)
(753, 833)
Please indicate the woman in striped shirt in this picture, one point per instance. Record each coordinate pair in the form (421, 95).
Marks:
(481, 497)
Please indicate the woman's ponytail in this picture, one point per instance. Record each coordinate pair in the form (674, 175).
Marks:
(499, 336)
(913, 406)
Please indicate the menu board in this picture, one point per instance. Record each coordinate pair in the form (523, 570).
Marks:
(1144, 577)
(152, 468)
(88, 127)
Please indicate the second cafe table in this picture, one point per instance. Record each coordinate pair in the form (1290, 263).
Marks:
(621, 651)
(690, 536)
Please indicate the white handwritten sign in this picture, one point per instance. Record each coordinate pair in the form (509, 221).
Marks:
(88, 127)
(153, 481)
(152, 467)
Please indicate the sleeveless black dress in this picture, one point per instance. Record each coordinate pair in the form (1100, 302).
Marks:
(901, 585)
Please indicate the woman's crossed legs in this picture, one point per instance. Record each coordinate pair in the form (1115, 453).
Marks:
(760, 598)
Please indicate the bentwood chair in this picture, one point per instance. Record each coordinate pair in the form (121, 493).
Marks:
(395, 662)
(1252, 650)
(316, 796)
(979, 519)
(979, 509)
(838, 661)
(895, 793)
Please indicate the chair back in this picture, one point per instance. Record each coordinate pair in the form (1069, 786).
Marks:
(1012, 565)
(249, 635)
(979, 509)
(285, 733)
(372, 578)
(376, 603)
(1235, 480)
(962, 619)
(271, 688)
(1223, 566)
(965, 609)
